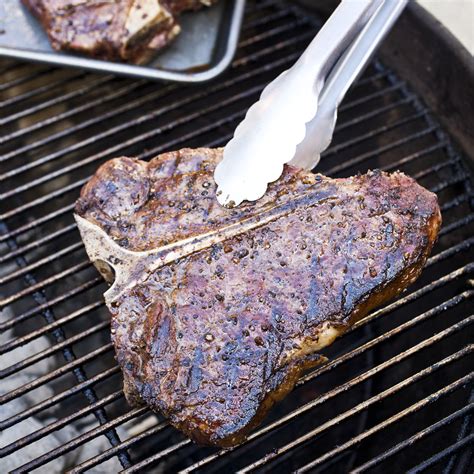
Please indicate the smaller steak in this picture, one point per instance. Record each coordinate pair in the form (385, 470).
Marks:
(216, 312)
(122, 30)
(178, 6)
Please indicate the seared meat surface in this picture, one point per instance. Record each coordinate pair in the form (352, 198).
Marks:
(216, 312)
(123, 30)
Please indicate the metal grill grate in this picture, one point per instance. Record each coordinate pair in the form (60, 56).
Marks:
(398, 386)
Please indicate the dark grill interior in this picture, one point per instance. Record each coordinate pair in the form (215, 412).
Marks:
(397, 388)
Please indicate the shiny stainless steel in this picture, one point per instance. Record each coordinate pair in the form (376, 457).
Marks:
(285, 125)
(320, 130)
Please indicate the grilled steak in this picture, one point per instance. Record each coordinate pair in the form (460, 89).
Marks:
(125, 30)
(216, 312)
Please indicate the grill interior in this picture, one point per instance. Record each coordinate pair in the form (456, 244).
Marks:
(397, 388)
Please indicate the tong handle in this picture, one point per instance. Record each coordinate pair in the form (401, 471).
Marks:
(320, 129)
(354, 61)
(337, 33)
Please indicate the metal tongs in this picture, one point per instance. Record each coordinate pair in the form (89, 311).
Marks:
(294, 119)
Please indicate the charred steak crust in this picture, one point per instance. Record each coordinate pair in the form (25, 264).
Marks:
(120, 30)
(212, 338)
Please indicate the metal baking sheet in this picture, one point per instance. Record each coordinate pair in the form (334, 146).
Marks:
(203, 49)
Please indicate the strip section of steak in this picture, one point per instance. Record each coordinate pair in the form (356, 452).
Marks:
(216, 312)
(122, 30)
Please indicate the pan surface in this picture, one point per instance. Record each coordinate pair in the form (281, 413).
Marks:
(202, 50)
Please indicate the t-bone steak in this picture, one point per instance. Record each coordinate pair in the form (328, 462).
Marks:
(216, 312)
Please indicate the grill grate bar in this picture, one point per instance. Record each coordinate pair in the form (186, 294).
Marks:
(370, 154)
(61, 116)
(55, 373)
(57, 100)
(19, 341)
(38, 243)
(22, 80)
(183, 138)
(58, 424)
(259, 55)
(414, 156)
(462, 246)
(461, 178)
(290, 25)
(367, 80)
(80, 440)
(69, 131)
(437, 167)
(373, 133)
(52, 349)
(336, 391)
(100, 458)
(415, 438)
(35, 223)
(457, 201)
(137, 467)
(410, 410)
(39, 263)
(374, 95)
(373, 113)
(222, 140)
(39, 90)
(441, 455)
(86, 384)
(43, 199)
(456, 225)
(48, 304)
(42, 284)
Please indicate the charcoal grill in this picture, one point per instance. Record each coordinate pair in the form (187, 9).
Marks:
(397, 392)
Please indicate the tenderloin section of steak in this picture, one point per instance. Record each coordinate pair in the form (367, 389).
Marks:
(216, 312)
(124, 30)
